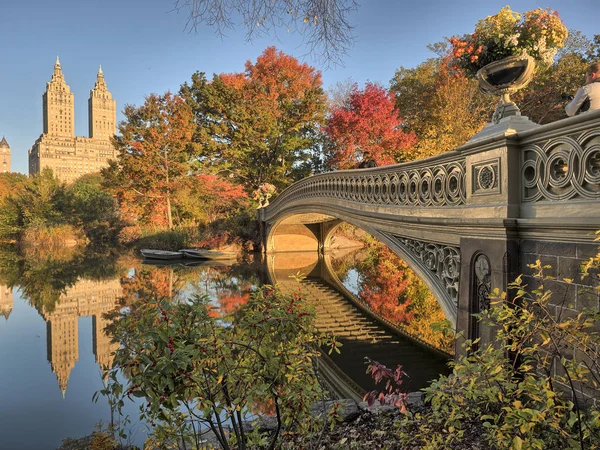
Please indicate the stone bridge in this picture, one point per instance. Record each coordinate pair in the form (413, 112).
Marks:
(467, 221)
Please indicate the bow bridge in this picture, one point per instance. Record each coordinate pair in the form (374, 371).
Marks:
(467, 221)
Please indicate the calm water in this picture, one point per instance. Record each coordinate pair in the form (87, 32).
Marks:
(52, 340)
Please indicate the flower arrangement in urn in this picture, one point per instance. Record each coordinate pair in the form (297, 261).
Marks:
(538, 33)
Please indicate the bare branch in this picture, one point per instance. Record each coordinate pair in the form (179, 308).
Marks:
(323, 24)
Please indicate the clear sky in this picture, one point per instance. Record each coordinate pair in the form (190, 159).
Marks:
(143, 48)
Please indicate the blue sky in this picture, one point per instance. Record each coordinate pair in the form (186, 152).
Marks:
(144, 48)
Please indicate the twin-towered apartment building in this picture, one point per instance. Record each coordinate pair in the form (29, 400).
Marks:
(58, 148)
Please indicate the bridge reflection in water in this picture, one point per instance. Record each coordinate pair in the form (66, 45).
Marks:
(360, 332)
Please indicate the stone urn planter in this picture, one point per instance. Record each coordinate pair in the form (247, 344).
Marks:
(504, 77)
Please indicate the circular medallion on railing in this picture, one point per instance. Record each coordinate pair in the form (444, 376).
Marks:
(529, 174)
(414, 187)
(364, 190)
(385, 189)
(438, 196)
(371, 189)
(453, 182)
(591, 164)
(559, 169)
(403, 189)
(425, 187)
(378, 189)
(486, 177)
(394, 189)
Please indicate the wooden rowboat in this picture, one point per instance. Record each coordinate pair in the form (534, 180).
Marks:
(160, 254)
(193, 253)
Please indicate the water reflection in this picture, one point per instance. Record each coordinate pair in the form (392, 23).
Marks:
(85, 298)
(6, 301)
(355, 323)
(68, 290)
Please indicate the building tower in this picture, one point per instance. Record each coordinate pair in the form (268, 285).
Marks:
(69, 156)
(4, 155)
(58, 105)
(102, 110)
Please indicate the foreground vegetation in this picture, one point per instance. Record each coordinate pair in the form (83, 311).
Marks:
(199, 374)
(533, 387)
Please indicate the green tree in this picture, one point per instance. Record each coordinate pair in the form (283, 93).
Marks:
(40, 202)
(153, 156)
(10, 182)
(95, 210)
(261, 125)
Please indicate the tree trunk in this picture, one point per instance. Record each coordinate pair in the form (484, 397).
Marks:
(169, 216)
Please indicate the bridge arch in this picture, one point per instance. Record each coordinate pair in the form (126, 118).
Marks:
(436, 263)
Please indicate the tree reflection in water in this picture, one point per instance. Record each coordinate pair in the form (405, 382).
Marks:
(43, 275)
(392, 289)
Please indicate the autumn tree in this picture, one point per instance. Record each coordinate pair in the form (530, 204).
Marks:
(260, 125)
(212, 197)
(444, 109)
(153, 155)
(367, 122)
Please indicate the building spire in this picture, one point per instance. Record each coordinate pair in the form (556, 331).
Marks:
(100, 82)
(57, 70)
(3, 142)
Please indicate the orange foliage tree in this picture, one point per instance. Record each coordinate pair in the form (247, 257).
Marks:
(153, 156)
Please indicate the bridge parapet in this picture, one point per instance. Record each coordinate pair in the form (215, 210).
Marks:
(510, 175)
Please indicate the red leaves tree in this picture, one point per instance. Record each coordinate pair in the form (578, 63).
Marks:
(218, 196)
(368, 122)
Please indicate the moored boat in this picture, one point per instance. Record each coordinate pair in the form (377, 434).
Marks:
(194, 253)
(160, 254)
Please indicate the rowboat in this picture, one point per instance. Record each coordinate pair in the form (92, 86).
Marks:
(193, 253)
(188, 262)
(160, 254)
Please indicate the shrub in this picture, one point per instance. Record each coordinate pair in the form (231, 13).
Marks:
(526, 390)
(195, 373)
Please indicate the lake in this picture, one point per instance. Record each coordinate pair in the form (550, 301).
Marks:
(53, 343)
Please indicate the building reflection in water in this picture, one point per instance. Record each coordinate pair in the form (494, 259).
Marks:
(85, 298)
(6, 301)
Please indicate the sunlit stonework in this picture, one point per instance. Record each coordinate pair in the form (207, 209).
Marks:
(58, 148)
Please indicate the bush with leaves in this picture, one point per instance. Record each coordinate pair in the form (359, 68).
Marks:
(531, 388)
(197, 374)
